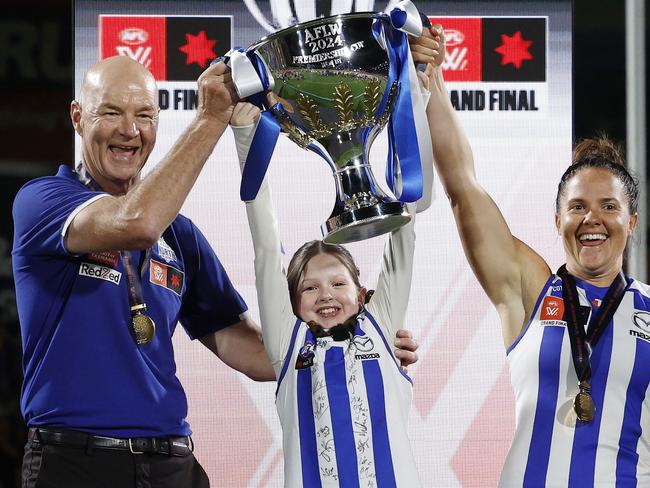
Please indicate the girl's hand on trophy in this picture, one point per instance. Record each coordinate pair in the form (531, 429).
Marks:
(244, 114)
(439, 38)
(429, 48)
(424, 77)
(272, 98)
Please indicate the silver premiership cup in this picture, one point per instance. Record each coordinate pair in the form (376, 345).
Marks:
(331, 75)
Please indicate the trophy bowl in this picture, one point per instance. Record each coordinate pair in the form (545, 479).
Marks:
(331, 96)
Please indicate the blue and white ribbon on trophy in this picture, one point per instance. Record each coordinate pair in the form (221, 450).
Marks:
(252, 78)
(409, 168)
(410, 154)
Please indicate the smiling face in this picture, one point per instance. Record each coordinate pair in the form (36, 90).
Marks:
(595, 222)
(117, 118)
(327, 293)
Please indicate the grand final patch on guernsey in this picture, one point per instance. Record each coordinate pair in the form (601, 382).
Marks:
(552, 312)
(167, 276)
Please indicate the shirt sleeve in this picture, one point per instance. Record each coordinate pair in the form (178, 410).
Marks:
(42, 211)
(276, 313)
(211, 302)
(390, 300)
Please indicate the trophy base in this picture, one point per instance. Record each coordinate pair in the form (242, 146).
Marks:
(364, 223)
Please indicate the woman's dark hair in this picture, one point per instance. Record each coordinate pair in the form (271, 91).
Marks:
(307, 251)
(601, 152)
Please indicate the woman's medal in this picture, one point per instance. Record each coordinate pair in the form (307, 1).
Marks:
(143, 326)
(583, 341)
(584, 404)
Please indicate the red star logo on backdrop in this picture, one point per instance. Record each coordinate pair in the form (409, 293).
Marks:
(514, 49)
(199, 49)
(176, 282)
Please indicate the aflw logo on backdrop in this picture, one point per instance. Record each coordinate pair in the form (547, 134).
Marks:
(172, 48)
(494, 48)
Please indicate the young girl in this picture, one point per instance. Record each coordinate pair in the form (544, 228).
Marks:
(342, 398)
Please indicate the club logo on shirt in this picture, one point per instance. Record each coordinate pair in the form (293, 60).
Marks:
(305, 357)
(100, 272)
(165, 251)
(162, 274)
(552, 312)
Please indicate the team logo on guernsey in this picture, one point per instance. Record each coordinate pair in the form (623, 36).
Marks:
(552, 312)
(166, 252)
(167, 276)
(305, 357)
(97, 271)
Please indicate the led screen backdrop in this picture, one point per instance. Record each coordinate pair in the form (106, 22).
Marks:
(509, 75)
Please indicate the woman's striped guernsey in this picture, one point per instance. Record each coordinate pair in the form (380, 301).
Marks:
(553, 449)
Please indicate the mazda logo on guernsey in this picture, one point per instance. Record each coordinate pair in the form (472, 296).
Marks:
(642, 321)
(363, 343)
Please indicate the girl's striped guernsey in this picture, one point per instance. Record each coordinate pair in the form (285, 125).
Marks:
(345, 418)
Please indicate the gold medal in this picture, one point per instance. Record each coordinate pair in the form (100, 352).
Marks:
(584, 404)
(143, 328)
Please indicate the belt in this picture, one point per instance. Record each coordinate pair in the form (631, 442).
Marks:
(171, 446)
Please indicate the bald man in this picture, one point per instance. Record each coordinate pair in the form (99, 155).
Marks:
(105, 268)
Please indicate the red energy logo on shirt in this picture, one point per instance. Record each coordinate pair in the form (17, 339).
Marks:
(552, 308)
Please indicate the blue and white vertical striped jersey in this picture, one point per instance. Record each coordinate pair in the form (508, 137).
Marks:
(345, 418)
(551, 448)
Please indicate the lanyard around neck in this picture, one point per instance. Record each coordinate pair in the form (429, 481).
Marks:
(143, 326)
(582, 342)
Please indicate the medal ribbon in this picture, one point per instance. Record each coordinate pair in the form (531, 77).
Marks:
(134, 278)
(581, 340)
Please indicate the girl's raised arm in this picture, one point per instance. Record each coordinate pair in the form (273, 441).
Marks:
(276, 315)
